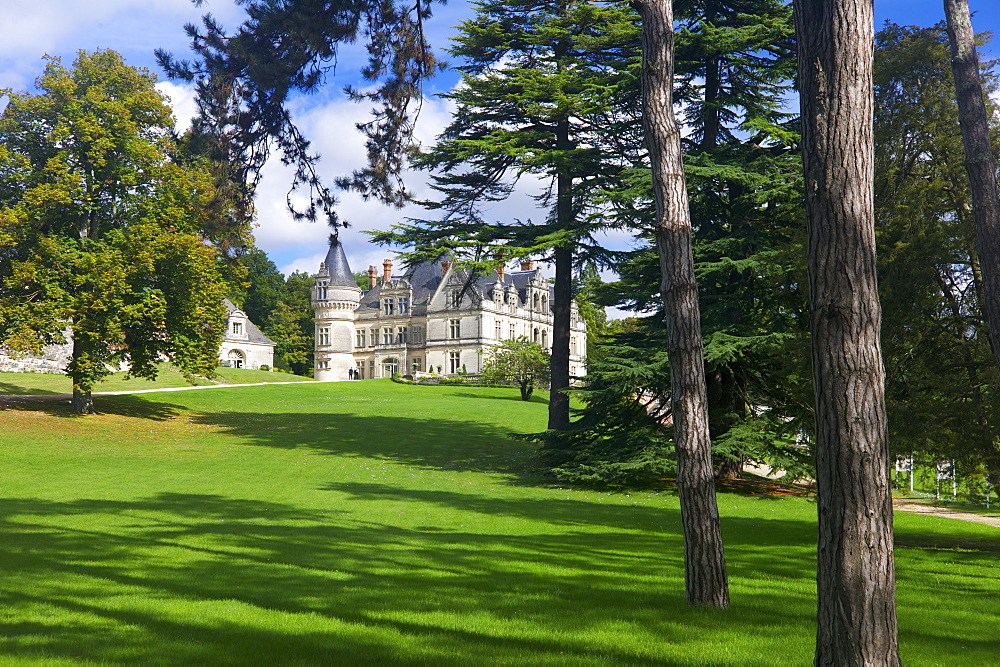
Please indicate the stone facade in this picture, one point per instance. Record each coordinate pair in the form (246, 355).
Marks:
(431, 318)
(244, 345)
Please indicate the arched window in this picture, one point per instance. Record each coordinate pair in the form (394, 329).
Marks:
(535, 302)
(545, 338)
(545, 303)
(237, 359)
(534, 336)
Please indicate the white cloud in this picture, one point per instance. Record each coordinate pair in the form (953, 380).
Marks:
(181, 98)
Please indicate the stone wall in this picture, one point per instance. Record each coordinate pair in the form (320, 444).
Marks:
(54, 359)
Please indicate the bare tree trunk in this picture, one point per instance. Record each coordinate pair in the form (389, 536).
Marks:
(979, 161)
(562, 298)
(704, 559)
(855, 567)
(83, 400)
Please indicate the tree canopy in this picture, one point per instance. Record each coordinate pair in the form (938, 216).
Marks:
(102, 231)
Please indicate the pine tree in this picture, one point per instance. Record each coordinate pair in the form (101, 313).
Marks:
(539, 82)
(246, 79)
(938, 359)
(855, 566)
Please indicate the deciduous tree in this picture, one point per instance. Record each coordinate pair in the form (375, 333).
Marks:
(520, 361)
(102, 232)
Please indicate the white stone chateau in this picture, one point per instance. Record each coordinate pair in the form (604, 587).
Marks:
(430, 319)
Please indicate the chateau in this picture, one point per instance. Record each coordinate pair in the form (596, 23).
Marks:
(433, 318)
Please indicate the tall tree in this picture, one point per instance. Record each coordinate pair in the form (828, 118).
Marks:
(855, 569)
(980, 161)
(539, 78)
(705, 576)
(939, 365)
(101, 230)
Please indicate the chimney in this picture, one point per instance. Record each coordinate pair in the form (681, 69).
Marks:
(372, 276)
(445, 265)
(501, 271)
(386, 270)
(527, 265)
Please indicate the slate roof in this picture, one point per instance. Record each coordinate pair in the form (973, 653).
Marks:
(337, 266)
(425, 279)
(254, 335)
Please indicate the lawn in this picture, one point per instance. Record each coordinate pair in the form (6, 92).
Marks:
(54, 383)
(375, 523)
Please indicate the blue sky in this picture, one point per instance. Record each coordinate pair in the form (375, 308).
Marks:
(33, 28)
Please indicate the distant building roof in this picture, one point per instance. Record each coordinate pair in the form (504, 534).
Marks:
(254, 335)
(337, 266)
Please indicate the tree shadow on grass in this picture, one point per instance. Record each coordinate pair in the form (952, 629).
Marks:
(10, 388)
(200, 578)
(207, 579)
(515, 396)
(134, 407)
(457, 445)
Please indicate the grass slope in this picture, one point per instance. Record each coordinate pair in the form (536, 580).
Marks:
(374, 523)
(169, 377)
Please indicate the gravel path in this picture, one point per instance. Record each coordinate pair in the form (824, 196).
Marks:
(66, 397)
(900, 505)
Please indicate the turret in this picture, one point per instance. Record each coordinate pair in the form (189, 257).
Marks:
(335, 297)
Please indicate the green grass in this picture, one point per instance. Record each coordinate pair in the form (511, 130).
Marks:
(378, 523)
(52, 383)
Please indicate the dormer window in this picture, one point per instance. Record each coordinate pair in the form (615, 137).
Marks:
(322, 292)
(404, 305)
(456, 298)
(237, 328)
(389, 306)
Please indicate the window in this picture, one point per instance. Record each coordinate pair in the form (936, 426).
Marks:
(545, 338)
(388, 306)
(359, 337)
(401, 335)
(511, 331)
(237, 328)
(545, 303)
(404, 305)
(387, 336)
(390, 367)
(535, 300)
(454, 359)
(236, 359)
(572, 345)
(456, 298)
(371, 369)
(323, 337)
(361, 369)
(454, 328)
(417, 334)
(374, 337)
(416, 364)
(499, 330)
(321, 292)
(534, 336)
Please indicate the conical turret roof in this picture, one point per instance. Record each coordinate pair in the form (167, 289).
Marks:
(337, 266)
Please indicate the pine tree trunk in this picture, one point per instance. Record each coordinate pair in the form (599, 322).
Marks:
(704, 560)
(562, 296)
(979, 161)
(855, 569)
